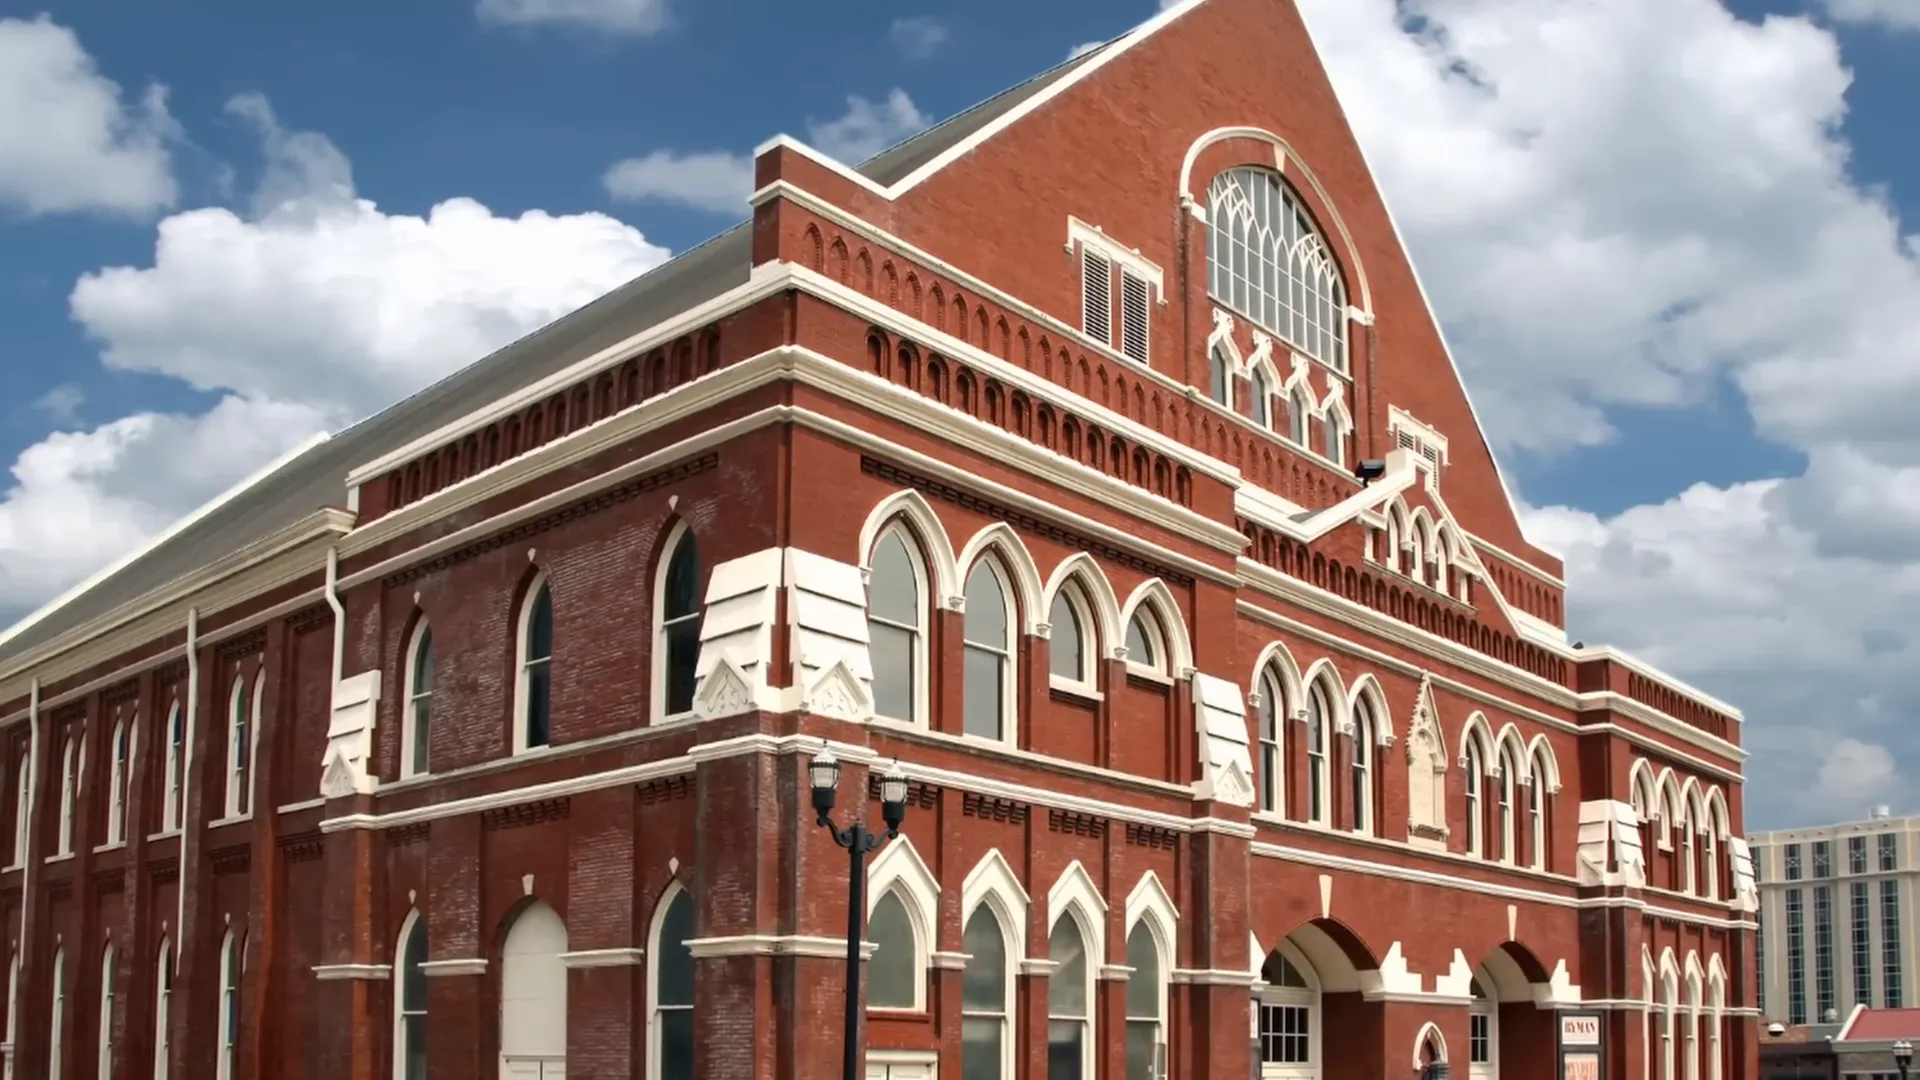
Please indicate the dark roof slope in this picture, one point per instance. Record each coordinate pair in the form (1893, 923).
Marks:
(316, 479)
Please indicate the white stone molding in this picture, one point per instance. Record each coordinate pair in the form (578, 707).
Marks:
(436, 969)
(603, 958)
(347, 767)
(1226, 755)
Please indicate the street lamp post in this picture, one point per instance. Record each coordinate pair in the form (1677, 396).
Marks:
(1903, 1057)
(823, 772)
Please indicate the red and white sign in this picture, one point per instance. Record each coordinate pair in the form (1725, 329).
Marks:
(1579, 1031)
(1581, 1067)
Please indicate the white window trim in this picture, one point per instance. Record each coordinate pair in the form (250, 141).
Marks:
(1509, 786)
(239, 715)
(1487, 1007)
(1473, 764)
(410, 701)
(522, 686)
(661, 909)
(680, 534)
(68, 798)
(1082, 235)
(923, 583)
(993, 883)
(162, 1010)
(1363, 772)
(1147, 909)
(174, 795)
(1086, 681)
(120, 752)
(1322, 815)
(224, 1048)
(107, 996)
(1008, 652)
(400, 1048)
(58, 1012)
(22, 809)
(1153, 629)
(1538, 794)
(1273, 752)
(1310, 999)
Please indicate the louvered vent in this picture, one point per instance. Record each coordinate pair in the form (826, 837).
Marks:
(1133, 316)
(1096, 295)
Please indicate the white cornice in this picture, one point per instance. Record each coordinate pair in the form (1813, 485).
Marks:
(345, 972)
(440, 969)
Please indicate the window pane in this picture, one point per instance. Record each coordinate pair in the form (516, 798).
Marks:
(891, 972)
(984, 983)
(986, 608)
(676, 1044)
(1063, 646)
(1143, 986)
(1066, 1049)
(1067, 986)
(683, 659)
(985, 692)
(893, 671)
(1140, 643)
(423, 664)
(422, 732)
(675, 985)
(539, 704)
(1143, 1045)
(416, 1027)
(540, 626)
(413, 985)
(683, 580)
(980, 1049)
(893, 592)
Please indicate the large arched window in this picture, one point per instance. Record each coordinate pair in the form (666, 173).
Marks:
(1319, 732)
(163, 1011)
(1289, 1019)
(117, 785)
(174, 806)
(897, 625)
(1070, 645)
(1146, 1004)
(229, 1005)
(1483, 1036)
(986, 997)
(410, 1002)
(58, 1018)
(533, 715)
(416, 734)
(1362, 766)
(1220, 376)
(1476, 770)
(239, 715)
(677, 614)
(672, 963)
(893, 972)
(1273, 761)
(988, 691)
(107, 994)
(1070, 1045)
(1266, 260)
(69, 775)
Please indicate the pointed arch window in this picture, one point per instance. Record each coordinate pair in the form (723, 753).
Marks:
(897, 625)
(107, 994)
(1538, 825)
(533, 719)
(117, 784)
(58, 1018)
(163, 1011)
(239, 713)
(416, 737)
(69, 781)
(1334, 435)
(1273, 762)
(1690, 870)
(1069, 1003)
(173, 806)
(1220, 376)
(410, 1004)
(1509, 775)
(1298, 410)
(1070, 650)
(1267, 260)
(1289, 1020)
(893, 974)
(677, 614)
(22, 807)
(230, 953)
(1710, 862)
(1146, 641)
(1146, 1004)
(1261, 389)
(672, 963)
(1363, 742)
(13, 1011)
(986, 998)
(1476, 770)
(988, 690)
(1319, 731)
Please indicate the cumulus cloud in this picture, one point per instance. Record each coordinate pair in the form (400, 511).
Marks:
(69, 141)
(308, 313)
(1631, 202)
(634, 17)
(719, 181)
(918, 37)
(1891, 14)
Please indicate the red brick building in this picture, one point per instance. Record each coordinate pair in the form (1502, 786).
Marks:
(472, 741)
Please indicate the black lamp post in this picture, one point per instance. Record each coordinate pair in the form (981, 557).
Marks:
(824, 774)
(1903, 1057)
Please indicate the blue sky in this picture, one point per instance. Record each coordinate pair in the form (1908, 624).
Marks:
(1606, 430)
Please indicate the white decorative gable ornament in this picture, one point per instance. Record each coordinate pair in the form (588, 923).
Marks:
(1226, 756)
(346, 769)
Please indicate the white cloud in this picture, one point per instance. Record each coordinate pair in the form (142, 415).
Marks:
(1083, 49)
(712, 180)
(917, 37)
(68, 142)
(1892, 14)
(303, 317)
(720, 181)
(1632, 202)
(636, 17)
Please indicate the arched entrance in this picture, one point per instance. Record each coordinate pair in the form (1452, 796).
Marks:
(533, 997)
(1508, 1033)
(1308, 1007)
